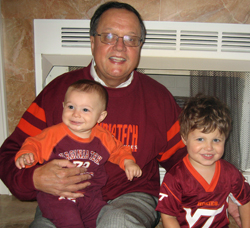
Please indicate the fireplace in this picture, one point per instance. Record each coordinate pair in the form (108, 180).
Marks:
(186, 57)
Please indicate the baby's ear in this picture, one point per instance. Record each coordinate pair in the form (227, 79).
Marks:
(63, 104)
(102, 116)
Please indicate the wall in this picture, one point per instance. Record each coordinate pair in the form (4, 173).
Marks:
(18, 32)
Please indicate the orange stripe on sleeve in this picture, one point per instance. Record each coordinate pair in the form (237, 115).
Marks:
(28, 128)
(173, 130)
(36, 111)
(167, 154)
(241, 187)
(42, 144)
(172, 193)
(118, 152)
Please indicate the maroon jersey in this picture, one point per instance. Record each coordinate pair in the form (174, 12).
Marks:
(143, 116)
(92, 153)
(186, 195)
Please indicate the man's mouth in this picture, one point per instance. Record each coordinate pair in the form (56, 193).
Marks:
(117, 59)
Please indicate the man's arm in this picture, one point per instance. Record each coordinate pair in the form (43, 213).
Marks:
(52, 177)
(20, 182)
(174, 149)
(233, 210)
(171, 161)
(169, 221)
(245, 215)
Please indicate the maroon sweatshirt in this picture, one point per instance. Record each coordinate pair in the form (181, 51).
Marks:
(142, 115)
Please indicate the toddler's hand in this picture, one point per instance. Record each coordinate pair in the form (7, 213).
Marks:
(25, 159)
(132, 169)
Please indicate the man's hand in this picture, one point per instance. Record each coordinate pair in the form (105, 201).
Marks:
(234, 211)
(61, 178)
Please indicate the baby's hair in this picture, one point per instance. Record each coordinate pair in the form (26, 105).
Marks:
(206, 113)
(85, 85)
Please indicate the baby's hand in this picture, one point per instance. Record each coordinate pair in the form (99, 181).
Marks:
(25, 159)
(132, 169)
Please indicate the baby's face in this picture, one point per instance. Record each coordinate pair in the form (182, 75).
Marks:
(81, 112)
(204, 149)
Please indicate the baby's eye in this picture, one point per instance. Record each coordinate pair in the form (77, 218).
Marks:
(85, 110)
(200, 139)
(71, 107)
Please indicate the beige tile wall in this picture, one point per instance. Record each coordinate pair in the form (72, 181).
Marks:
(18, 32)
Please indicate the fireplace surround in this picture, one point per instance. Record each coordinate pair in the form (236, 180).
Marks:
(186, 57)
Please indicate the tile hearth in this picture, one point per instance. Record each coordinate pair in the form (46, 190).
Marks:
(18, 214)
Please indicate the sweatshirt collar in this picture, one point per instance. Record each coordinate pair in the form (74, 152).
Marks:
(96, 78)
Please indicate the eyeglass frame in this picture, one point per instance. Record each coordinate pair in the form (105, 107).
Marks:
(100, 34)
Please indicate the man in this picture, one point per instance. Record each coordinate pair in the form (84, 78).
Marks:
(142, 114)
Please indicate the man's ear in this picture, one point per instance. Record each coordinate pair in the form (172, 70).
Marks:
(92, 43)
(102, 116)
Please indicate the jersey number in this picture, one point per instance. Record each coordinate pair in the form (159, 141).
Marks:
(82, 164)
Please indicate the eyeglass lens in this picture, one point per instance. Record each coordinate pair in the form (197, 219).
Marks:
(109, 38)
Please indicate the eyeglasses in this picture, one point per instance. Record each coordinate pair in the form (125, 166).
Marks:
(111, 39)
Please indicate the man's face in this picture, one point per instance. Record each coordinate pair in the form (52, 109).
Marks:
(114, 63)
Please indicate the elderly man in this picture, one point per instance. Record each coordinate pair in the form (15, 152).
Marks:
(141, 113)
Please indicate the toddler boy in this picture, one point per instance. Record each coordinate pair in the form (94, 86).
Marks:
(194, 193)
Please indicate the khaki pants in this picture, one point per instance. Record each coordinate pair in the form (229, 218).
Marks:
(131, 210)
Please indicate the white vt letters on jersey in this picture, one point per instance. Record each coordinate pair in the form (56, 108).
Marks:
(202, 212)
(162, 195)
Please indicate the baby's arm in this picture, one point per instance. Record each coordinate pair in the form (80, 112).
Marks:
(25, 159)
(169, 221)
(244, 215)
(132, 169)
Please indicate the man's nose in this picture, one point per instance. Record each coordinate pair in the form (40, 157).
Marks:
(120, 46)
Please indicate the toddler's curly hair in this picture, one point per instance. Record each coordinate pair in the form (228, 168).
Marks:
(206, 113)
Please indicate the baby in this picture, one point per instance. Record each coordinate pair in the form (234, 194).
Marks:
(81, 140)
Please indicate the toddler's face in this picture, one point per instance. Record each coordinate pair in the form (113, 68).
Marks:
(204, 149)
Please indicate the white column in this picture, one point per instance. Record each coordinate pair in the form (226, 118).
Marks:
(3, 116)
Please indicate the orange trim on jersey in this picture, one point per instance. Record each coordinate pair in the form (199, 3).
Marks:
(208, 187)
(118, 152)
(42, 144)
(167, 154)
(171, 192)
(242, 187)
(36, 111)
(28, 128)
(173, 130)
